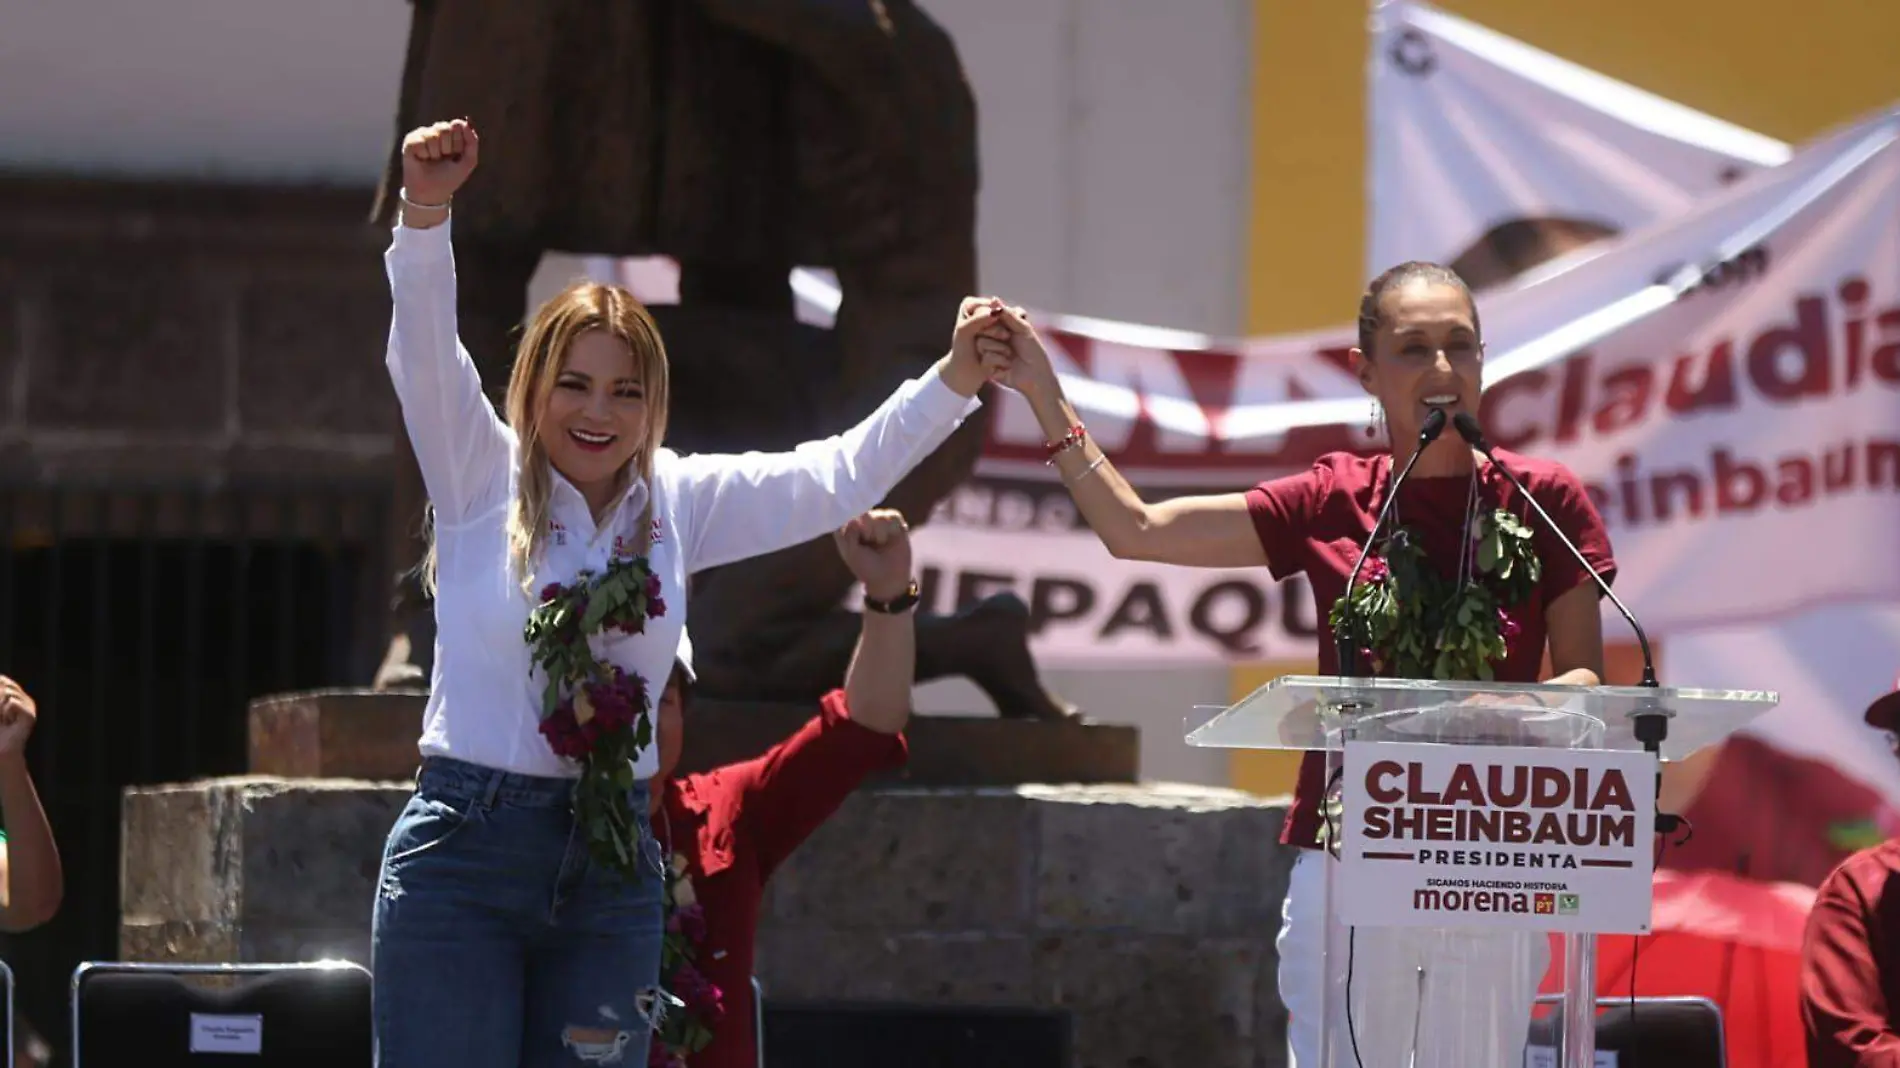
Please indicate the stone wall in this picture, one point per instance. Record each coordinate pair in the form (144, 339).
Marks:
(206, 332)
(1146, 911)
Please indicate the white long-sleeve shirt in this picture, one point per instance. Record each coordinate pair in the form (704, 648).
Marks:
(485, 695)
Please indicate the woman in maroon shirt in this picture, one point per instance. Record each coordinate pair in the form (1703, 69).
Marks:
(1419, 348)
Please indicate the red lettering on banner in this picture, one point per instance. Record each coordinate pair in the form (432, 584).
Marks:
(1886, 360)
(1733, 485)
(1809, 338)
(1714, 389)
(1629, 399)
(1789, 362)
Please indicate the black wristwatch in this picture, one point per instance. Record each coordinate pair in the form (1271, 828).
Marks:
(903, 602)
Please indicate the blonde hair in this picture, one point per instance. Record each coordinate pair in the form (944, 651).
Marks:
(579, 308)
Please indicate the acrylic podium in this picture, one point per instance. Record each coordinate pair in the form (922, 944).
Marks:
(1468, 827)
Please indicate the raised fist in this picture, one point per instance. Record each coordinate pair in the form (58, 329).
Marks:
(876, 547)
(436, 160)
(18, 713)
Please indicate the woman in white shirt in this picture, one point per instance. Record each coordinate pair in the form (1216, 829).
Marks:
(518, 915)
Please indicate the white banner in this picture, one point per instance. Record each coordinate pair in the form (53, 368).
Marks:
(1086, 606)
(1486, 152)
(1497, 837)
(1738, 365)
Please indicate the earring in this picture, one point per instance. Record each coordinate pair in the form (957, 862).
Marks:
(1375, 418)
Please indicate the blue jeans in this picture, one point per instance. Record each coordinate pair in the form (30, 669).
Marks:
(497, 942)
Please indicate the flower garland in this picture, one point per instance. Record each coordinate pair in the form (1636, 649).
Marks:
(592, 711)
(696, 1002)
(1410, 622)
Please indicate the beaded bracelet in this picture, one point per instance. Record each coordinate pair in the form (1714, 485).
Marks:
(1072, 440)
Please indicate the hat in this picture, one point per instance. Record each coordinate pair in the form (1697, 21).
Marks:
(684, 658)
(1885, 711)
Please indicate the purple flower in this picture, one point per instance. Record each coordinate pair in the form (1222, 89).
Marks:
(550, 592)
(1507, 626)
(566, 735)
(653, 587)
(617, 700)
(656, 607)
(1375, 571)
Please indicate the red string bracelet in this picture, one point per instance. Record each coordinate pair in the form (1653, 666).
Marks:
(1072, 440)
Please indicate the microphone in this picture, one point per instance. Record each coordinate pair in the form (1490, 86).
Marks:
(1347, 653)
(1650, 721)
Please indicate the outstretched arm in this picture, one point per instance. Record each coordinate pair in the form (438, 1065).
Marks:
(745, 505)
(460, 443)
(31, 879)
(1209, 531)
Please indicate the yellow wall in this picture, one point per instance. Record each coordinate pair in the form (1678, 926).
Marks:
(1789, 70)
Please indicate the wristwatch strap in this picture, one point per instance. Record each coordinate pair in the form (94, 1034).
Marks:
(903, 602)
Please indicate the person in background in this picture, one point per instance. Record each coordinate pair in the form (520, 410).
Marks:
(31, 880)
(725, 831)
(1850, 952)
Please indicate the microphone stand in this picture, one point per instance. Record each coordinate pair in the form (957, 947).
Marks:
(1649, 721)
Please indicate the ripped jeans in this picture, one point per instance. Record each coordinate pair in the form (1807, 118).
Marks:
(497, 942)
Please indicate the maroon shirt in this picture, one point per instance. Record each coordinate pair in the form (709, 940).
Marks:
(736, 824)
(1316, 521)
(1849, 976)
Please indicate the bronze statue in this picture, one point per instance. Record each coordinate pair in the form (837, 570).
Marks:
(741, 138)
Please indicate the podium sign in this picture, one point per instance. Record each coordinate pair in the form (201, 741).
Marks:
(1435, 953)
(1496, 838)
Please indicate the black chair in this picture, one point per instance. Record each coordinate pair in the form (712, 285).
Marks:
(311, 1015)
(1671, 1032)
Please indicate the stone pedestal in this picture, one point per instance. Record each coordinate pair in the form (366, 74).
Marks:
(1148, 912)
(252, 869)
(365, 734)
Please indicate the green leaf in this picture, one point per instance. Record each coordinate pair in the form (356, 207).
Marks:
(597, 609)
(1489, 550)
